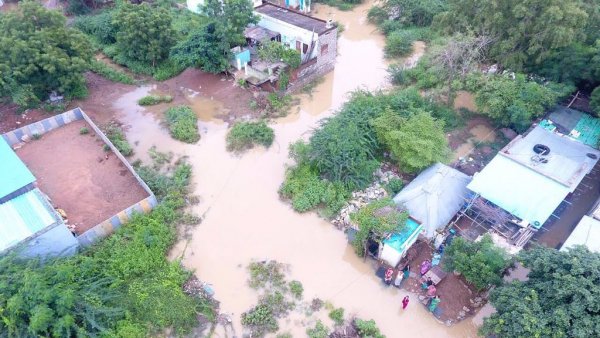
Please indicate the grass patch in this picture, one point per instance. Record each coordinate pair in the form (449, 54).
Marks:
(114, 132)
(150, 100)
(245, 135)
(110, 73)
(183, 124)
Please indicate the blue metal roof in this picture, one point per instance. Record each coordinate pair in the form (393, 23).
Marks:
(23, 216)
(15, 174)
(399, 240)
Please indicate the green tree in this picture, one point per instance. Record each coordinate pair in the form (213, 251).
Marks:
(515, 102)
(414, 12)
(559, 298)
(234, 15)
(206, 48)
(482, 263)
(415, 142)
(38, 54)
(522, 30)
(145, 34)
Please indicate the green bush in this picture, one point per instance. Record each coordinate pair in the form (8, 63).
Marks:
(183, 124)
(367, 328)
(296, 289)
(166, 70)
(84, 131)
(481, 263)
(337, 315)
(319, 331)
(122, 286)
(245, 135)
(595, 101)
(150, 100)
(274, 51)
(110, 73)
(99, 26)
(394, 186)
(377, 15)
(399, 43)
(116, 136)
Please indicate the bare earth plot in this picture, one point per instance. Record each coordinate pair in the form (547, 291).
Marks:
(81, 178)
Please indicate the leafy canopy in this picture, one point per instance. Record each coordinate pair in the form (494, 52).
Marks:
(145, 34)
(206, 48)
(559, 299)
(233, 15)
(39, 54)
(414, 142)
(523, 30)
(482, 263)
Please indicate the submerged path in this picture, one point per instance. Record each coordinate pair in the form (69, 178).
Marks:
(244, 219)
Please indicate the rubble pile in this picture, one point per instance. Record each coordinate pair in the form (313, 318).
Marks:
(360, 198)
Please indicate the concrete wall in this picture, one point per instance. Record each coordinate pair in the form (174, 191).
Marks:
(290, 33)
(323, 65)
(56, 240)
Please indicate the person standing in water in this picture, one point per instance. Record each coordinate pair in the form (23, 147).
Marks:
(405, 302)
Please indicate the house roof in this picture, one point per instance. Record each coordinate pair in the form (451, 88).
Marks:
(259, 33)
(23, 216)
(293, 18)
(529, 189)
(580, 126)
(398, 240)
(587, 232)
(435, 196)
(15, 174)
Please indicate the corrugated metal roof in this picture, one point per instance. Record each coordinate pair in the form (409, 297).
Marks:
(15, 174)
(435, 196)
(23, 216)
(519, 190)
(587, 233)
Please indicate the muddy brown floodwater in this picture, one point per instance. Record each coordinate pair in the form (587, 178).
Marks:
(244, 218)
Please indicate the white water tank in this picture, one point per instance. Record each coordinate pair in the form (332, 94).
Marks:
(193, 5)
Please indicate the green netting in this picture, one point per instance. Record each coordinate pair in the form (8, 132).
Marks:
(587, 130)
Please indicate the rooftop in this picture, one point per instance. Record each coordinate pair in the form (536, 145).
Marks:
(579, 126)
(15, 174)
(435, 196)
(23, 216)
(294, 18)
(587, 233)
(259, 33)
(567, 162)
(530, 186)
(398, 240)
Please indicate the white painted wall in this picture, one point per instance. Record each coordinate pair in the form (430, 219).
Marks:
(290, 33)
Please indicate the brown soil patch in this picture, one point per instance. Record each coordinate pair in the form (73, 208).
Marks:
(91, 185)
(465, 100)
(454, 292)
(10, 119)
(214, 86)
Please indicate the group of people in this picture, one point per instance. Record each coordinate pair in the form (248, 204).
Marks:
(400, 276)
(426, 283)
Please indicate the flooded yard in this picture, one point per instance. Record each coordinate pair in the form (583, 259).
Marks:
(243, 216)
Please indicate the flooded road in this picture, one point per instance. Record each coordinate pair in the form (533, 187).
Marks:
(244, 219)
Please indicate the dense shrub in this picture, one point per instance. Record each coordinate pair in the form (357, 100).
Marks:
(124, 286)
(337, 315)
(481, 263)
(394, 186)
(183, 124)
(319, 331)
(245, 135)
(399, 43)
(516, 102)
(150, 100)
(98, 26)
(273, 51)
(595, 101)
(367, 328)
(414, 13)
(415, 142)
(110, 73)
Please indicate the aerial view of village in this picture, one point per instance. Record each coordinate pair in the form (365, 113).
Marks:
(298, 168)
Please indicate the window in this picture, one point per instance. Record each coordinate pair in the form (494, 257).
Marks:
(304, 48)
(324, 49)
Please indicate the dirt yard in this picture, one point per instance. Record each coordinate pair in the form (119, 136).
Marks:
(455, 293)
(90, 184)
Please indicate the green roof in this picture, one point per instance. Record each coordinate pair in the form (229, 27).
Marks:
(15, 174)
(588, 130)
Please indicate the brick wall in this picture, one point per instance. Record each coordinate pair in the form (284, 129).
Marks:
(326, 56)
